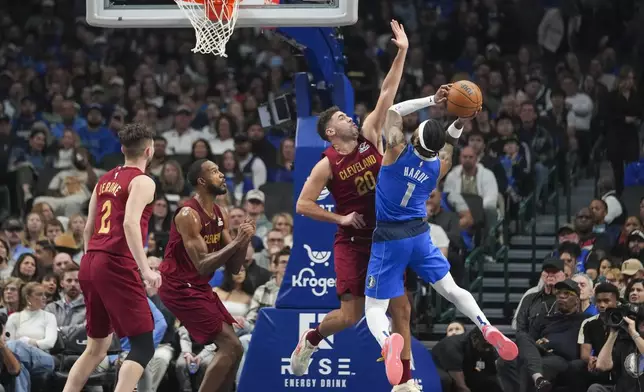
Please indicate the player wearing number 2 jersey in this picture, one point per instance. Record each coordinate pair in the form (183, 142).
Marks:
(110, 272)
(409, 174)
(349, 169)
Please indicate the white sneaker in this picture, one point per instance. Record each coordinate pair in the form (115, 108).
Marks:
(301, 356)
(409, 386)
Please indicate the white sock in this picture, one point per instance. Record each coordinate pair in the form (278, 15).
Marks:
(462, 299)
(377, 320)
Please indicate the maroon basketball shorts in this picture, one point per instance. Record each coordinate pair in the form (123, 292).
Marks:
(351, 259)
(197, 307)
(115, 297)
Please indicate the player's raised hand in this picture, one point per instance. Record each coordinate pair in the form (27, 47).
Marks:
(354, 220)
(152, 279)
(400, 37)
(441, 94)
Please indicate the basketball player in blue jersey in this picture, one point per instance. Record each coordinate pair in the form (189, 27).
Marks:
(409, 174)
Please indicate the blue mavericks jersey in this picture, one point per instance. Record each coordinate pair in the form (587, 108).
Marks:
(404, 187)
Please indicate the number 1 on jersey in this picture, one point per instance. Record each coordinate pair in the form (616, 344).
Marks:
(106, 211)
(407, 196)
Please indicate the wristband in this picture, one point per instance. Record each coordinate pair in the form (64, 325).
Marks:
(453, 131)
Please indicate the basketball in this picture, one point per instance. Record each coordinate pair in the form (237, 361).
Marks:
(464, 99)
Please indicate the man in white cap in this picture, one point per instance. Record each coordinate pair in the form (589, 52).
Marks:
(254, 206)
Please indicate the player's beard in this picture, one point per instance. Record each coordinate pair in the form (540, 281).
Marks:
(215, 190)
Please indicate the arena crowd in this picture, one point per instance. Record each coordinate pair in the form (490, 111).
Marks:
(556, 76)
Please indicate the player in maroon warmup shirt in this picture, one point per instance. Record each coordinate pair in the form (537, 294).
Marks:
(110, 271)
(199, 244)
(349, 168)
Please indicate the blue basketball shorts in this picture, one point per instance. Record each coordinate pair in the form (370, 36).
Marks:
(395, 247)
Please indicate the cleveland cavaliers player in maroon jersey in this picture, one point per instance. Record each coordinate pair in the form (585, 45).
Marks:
(110, 271)
(199, 244)
(349, 169)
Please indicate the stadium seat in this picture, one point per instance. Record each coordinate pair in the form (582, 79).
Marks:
(74, 347)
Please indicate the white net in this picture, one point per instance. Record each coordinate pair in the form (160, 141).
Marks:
(213, 21)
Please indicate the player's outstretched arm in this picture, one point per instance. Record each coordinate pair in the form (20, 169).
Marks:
(188, 225)
(141, 193)
(88, 231)
(372, 127)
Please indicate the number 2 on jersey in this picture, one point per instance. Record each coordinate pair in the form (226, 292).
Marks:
(106, 211)
(407, 196)
(365, 183)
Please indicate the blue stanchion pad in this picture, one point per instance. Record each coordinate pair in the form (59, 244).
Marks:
(345, 362)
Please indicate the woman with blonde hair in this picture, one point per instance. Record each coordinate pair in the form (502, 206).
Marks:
(283, 222)
(33, 325)
(75, 227)
(45, 211)
(172, 183)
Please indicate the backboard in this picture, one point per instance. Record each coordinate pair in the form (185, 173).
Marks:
(252, 13)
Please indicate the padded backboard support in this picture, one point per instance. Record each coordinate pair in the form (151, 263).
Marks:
(252, 13)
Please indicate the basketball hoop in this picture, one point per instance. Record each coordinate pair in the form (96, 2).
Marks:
(214, 22)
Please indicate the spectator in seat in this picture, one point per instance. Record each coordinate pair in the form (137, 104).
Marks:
(62, 261)
(235, 292)
(621, 247)
(263, 297)
(587, 238)
(69, 120)
(254, 206)
(26, 268)
(161, 218)
(616, 213)
(453, 223)
(11, 299)
(36, 330)
(180, 139)
(69, 311)
(466, 362)
(65, 152)
(172, 183)
(221, 137)
(27, 162)
(35, 230)
(238, 185)
(250, 165)
(99, 140)
(70, 189)
(261, 147)
(255, 274)
(159, 157)
(10, 366)
(636, 244)
(53, 229)
(51, 283)
(517, 173)
(476, 140)
(455, 328)
(14, 231)
(192, 352)
(273, 244)
(44, 210)
(540, 143)
(571, 254)
(623, 111)
(472, 178)
(592, 337)
(550, 343)
(5, 268)
(585, 284)
(75, 228)
(27, 117)
(45, 253)
(556, 118)
(283, 222)
(285, 160)
(580, 111)
(598, 210)
(8, 142)
(200, 150)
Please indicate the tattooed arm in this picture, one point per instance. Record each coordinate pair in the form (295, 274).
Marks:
(446, 153)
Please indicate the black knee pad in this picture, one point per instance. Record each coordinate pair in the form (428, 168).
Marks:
(141, 349)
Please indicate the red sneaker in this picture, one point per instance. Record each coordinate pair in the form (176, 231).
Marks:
(391, 353)
(505, 347)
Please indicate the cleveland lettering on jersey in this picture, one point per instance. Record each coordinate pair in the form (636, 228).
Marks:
(358, 167)
(212, 239)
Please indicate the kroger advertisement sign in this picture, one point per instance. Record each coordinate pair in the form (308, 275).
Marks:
(309, 282)
(345, 362)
